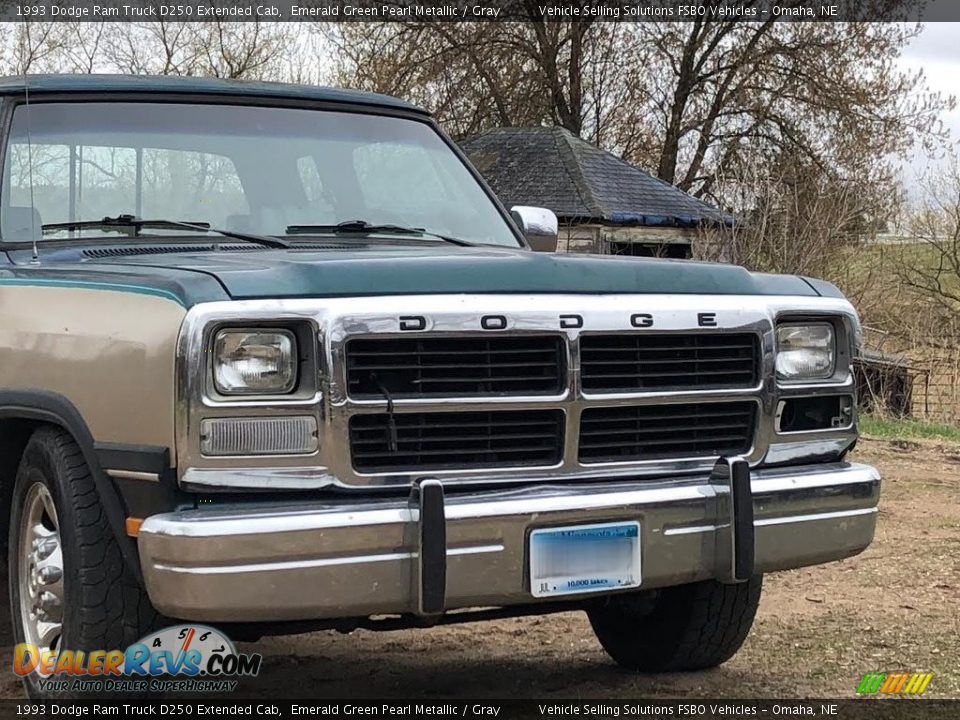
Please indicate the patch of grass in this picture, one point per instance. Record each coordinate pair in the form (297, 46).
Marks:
(892, 429)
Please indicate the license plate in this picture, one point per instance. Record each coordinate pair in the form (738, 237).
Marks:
(584, 558)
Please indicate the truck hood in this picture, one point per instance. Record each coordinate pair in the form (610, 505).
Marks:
(403, 269)
(406, 269)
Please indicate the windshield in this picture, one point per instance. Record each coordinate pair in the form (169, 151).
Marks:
(242, 168)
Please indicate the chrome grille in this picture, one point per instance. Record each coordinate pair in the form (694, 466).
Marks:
(670, 361)
(424, 441)
(649, 432)
(454, 366)
(574, 318)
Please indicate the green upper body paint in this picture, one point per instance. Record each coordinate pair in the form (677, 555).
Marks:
(392, 268)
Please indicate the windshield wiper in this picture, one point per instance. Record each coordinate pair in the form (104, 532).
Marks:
(136, 224)
(362, 227)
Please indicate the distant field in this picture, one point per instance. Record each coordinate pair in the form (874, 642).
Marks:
(872, 274)
(873, 277)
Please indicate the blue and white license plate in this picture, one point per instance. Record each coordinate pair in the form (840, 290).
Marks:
(584, 558)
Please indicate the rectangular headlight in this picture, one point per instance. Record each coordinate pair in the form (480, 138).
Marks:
(254, 362)
(805, 351)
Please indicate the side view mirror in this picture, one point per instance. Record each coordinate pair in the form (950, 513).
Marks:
(538, 225)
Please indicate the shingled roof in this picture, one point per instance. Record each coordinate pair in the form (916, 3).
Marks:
(552, 168)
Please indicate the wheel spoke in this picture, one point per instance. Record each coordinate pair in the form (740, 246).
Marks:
(48, 633)
(51, 510)
(40, 569)
(42, 533)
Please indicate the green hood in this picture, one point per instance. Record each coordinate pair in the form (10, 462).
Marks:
(431, 269)
(342, 270)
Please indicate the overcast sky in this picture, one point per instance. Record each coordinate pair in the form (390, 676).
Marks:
(937, 52)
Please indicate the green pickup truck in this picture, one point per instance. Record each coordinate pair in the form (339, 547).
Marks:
(275, 358)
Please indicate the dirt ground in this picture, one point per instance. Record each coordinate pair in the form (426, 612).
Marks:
(896, 607)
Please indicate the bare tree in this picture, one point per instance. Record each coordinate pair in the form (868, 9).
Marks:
(475, 75)
(242, 50)
(154, 48)
(31, 47)
(830, 93)
(251, 50)
(791, 217)
(931, 268)
(691, 101)
(81, 47)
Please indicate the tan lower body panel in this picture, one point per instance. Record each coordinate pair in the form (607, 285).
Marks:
(110, 353)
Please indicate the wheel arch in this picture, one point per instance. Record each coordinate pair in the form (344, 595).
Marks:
(21, 413)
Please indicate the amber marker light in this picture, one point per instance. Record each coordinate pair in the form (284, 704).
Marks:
(133, 526)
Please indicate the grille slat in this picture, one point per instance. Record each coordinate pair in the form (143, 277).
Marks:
(707, 373)
(446, 452)
(671, 362)
(606, 432)
(513, 423)
(375, 442)
(695, 415)
(479, 380)
(454, 352)
(421, 439)
(455, 366)
(640, 362)
(451, 366)
(658, 443)
(658, 348)
(641, 428)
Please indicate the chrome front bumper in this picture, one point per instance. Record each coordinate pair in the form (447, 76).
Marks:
(349, 558)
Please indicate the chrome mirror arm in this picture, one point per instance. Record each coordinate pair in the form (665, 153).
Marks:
(538, 225)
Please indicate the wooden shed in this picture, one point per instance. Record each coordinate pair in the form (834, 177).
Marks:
(604, 204)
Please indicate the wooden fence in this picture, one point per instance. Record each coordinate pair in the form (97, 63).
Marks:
(910, 379)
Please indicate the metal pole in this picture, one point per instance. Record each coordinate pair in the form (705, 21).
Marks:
(73, 186)
(139, 202)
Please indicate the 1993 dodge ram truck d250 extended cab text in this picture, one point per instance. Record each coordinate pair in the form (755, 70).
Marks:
(275, 356)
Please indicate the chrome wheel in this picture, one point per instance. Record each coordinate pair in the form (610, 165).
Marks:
(40, 571)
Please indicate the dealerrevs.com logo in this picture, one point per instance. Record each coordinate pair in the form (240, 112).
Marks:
(185, 658)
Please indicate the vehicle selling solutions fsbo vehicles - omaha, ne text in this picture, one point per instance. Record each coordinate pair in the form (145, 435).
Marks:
(275, 356)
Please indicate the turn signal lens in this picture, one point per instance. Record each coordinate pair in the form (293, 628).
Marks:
(259, 436)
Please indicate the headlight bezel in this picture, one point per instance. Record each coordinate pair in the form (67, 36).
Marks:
(288, 389)
(837, 358)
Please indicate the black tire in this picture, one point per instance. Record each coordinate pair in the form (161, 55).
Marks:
(682, 628)
(105, 607)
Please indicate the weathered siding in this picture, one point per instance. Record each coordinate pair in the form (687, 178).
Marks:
(579, 239)
(648, 235)
(593, 238)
